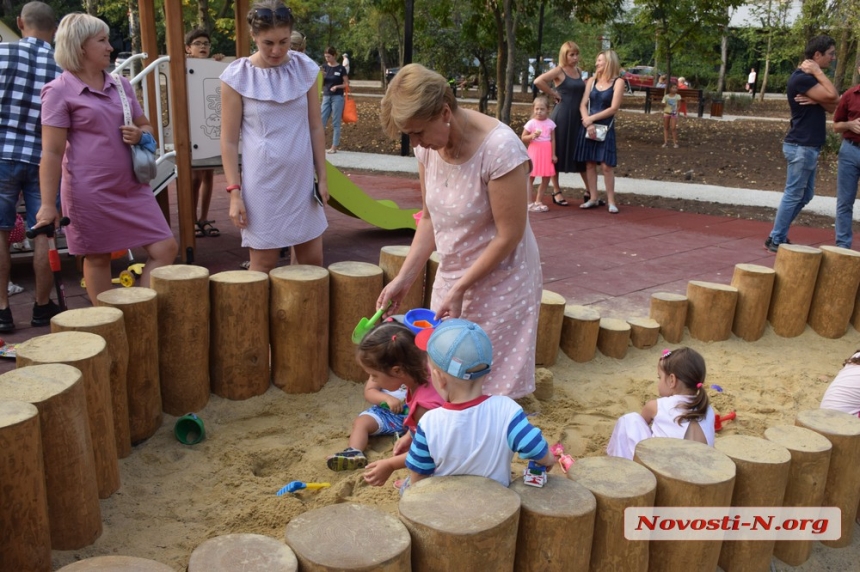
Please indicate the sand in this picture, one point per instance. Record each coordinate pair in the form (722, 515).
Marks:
(174, 497)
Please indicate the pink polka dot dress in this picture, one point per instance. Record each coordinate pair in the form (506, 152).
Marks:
(277, 159)
(506, 302)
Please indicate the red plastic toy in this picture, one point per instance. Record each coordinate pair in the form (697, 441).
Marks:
(718, 420)
(565, 461)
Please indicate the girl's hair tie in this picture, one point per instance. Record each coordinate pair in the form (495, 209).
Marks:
(666, 353)
(698, 386)
(394, 338)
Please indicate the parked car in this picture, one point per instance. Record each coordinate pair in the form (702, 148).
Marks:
(390, 73)
(637, 78)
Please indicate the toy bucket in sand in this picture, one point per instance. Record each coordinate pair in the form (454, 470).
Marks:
(189, 429)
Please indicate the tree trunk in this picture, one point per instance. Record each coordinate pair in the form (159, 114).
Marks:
(501, 64)
(484, 81)
(92, 7)
(204, 21)
(763, 87)
(225, 8)
(841, 67)
(724, 46)
(134, 27)
(510, 24)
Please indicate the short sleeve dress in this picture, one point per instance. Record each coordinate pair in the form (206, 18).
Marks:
(277, 159)
(506, 302)
(568, 121)
(109, 209)
(589, 150)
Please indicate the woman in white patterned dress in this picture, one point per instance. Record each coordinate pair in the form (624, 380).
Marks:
(271, 99)
(474, 174)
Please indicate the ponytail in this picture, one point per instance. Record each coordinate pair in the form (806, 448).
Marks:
(688, 367)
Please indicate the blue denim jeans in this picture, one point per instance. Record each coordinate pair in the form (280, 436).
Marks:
(847, 176)
(799, 187)
(332, 105)
(17, 177)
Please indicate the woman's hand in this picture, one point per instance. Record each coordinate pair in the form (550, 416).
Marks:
(237, 210)
(393, 294)
(377, 473)
(47, 215)
(131, 134)
(452, 305)
(323, 187)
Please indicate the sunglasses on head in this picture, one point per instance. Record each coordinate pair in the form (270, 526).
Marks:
(269, 16)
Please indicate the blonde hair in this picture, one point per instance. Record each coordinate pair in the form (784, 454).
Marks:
(415, 93)
(74, 30)
(611, 65)
(298, 42)
(566, 48)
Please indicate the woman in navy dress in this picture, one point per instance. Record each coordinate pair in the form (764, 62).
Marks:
(599, 106)
(565, 85)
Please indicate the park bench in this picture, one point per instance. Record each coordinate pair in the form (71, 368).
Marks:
(692, 97)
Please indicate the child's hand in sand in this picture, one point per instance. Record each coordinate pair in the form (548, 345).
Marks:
(401, 447)
(377, 472)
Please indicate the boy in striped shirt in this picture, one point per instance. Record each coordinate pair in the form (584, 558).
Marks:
(472, 433)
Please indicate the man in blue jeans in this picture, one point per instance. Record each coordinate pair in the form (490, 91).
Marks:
(846, 121)
(810, 96)
(25, 67)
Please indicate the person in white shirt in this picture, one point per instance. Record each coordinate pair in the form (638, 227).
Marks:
(345, 62)
(843, 394)
(751, 82)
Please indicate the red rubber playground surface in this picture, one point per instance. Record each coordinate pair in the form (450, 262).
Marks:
(611, 262)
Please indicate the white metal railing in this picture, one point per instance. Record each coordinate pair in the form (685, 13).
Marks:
(165, 151)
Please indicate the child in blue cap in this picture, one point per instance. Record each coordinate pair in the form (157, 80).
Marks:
(472, 433)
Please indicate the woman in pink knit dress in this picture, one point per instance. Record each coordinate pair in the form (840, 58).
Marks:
(474, 179)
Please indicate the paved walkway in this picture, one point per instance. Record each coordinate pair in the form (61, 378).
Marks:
(612, 262)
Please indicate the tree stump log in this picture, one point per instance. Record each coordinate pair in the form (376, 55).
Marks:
(432, 269)
(391, 259)
(755, 286)
(644, 332)
(762, 474)
(579, 332)
(670, 311)
(109, 324)
(299, 322)
(140, 314)
(711, 310)
(616, 484)
(447, 536)
(688, 474)
(88, 353)
(835, 292)
(613, 337)
(356, 538)
(116, 563)
(796, 269)
(239, 337)
(183, 337)
(550, 321)
(58, 392)
(354, 289)
(807, 476)
(556, 526)
(25, 530)
(843, 479)
(245, 552)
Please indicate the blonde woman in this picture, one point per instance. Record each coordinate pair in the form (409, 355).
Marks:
(474, 181)
(565, 84)
(603, 94)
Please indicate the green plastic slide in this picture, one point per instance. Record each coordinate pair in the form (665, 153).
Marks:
(350, 199)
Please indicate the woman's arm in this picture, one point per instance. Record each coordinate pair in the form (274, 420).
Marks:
(546, 82)
(50, 171)
(583, 104)
(508, 200)
(231, 123)
(423, 244)
(318, 140)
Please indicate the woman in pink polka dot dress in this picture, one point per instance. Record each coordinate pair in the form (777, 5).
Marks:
(271, 100)
(474, 173)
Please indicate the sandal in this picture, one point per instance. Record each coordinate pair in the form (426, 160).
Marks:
(562, 202)
(538, 208)
(589, 205)
(205, 228)
(586, 197)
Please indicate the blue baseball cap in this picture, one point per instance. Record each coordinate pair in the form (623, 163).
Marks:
(461, 349)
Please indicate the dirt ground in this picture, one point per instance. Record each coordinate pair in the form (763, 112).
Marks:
(741, 153)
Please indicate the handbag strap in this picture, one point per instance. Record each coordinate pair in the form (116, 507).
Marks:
(126, 111)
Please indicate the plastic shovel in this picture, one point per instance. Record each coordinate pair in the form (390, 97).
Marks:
(365, 325)
(299, 485)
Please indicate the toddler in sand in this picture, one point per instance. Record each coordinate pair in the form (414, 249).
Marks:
(681, 412)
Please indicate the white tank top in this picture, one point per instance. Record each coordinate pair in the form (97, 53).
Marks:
(668, 408)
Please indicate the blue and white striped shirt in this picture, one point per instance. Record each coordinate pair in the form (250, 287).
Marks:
(25, 66)
(475, 438)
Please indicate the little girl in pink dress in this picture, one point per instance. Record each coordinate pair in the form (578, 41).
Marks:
(539, 135)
